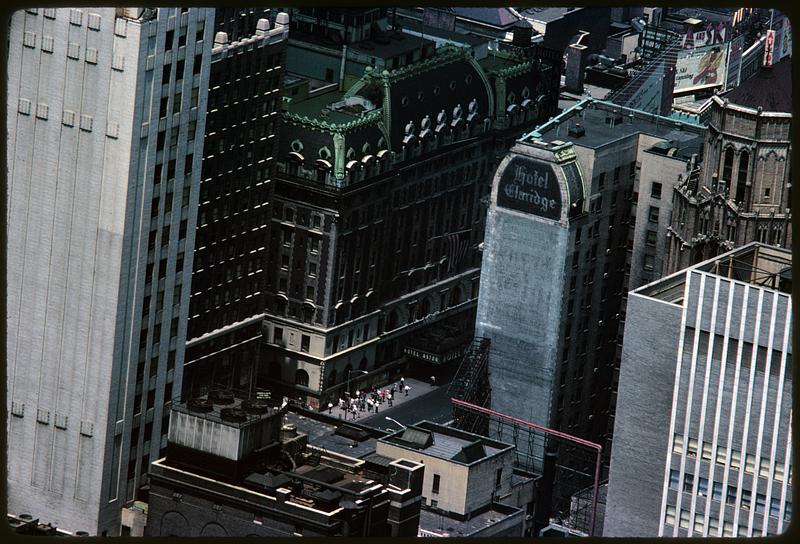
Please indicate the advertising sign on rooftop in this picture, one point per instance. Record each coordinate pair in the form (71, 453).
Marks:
(701, 68)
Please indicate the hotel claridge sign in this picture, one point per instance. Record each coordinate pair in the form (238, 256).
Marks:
(434, 271)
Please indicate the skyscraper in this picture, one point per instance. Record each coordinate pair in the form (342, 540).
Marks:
(106, 110)
(702, 443)
(553, 308)
(231, 255)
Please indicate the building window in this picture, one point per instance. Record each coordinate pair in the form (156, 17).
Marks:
(435, 488)
(655, 190)
(329, 74)
(305, 343)
(702, 486)
(312, 269)
(301, 378)
(761, 503)
(746, 496)
(688, 483)
(730, 497)
(669, 516)
(716, 491)
(649, 262)
(741, 178)
(277, 335)
(674, 479)
(310, 292)
(691, 448)
(651, 238)
(727, 167)
(653, 217)
(677, 444)
(498, 477)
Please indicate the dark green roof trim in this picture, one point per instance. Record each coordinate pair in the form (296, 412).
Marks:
(371, 118)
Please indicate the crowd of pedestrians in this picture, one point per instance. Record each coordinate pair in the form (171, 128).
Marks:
(370, 400)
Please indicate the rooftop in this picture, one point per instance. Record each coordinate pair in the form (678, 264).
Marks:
(413, 25)
(547, 15)
(596, 116)
(346, 438)
(755, 263)
(494, 16)
(770, 89)
(390, 45)
(443, 525)
(446, 443)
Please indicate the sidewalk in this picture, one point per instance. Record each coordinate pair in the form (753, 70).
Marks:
(418, 389)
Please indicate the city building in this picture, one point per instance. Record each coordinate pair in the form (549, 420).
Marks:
(231, 251)
(470, 488)
(106, 114)
(702, 443)
(560, 26)
(491, 23)
(742, 190)
(235, 468)
(377, 214)
(606, 173)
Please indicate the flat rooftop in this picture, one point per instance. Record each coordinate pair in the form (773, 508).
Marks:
(446, 443)
(413, 25)
(390, 44)
(547, 15)
(594, 116)
(755, 263)
(451, 527)
(345, 438)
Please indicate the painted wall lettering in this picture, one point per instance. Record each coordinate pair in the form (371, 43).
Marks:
(530, 186)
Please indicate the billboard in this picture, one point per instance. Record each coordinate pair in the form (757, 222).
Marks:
(701, 68)
(711, 35)
(734, 62)
(783, 40)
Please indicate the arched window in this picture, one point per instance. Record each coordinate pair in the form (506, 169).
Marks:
(727, 167)
(301, 377)
(741, 178)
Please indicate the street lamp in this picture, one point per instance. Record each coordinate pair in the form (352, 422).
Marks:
(349, 370)
(395, 421)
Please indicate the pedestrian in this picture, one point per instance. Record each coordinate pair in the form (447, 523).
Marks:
(433, 380)
(392, 390)
(330, 407)
(376, 408)
(369, 405)
(407, 389)
(402, 382)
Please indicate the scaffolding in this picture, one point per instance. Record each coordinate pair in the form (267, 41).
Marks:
(570, 467)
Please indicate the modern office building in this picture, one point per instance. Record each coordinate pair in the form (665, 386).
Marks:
(554, 342)
(236, 468)
(231, 254)
(702, 444)
(106, 114)
(377, 214)
(742, 192)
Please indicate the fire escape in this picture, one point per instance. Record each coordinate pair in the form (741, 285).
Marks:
(471, 384)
